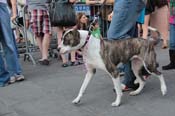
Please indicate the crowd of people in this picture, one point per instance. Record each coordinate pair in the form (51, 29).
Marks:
(123, 21)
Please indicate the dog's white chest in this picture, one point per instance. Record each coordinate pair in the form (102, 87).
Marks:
(92, 55)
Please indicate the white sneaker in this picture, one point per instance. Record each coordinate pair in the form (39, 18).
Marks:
(19, 77)
(12, 80)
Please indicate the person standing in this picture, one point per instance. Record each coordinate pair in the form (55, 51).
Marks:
(171, 65)
(124, 18)
(10, 68)
(41, 27)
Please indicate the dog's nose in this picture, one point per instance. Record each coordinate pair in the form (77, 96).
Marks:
(58, 49)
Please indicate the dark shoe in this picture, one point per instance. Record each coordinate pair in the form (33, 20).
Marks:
(44, 62)
(168, 67)
(171, 65)
(127, 88)
(64, 65)
(75, 63)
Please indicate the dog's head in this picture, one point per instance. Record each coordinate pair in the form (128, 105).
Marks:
(70, 41)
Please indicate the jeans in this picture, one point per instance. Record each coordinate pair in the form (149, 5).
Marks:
(172, 37)
(9, 63)
(124, 19)
(125, 15)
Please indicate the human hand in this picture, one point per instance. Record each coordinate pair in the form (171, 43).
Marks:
(72, 1)
(13, 17)
(110, 16)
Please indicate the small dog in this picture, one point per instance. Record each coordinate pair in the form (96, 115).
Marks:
(107, 54)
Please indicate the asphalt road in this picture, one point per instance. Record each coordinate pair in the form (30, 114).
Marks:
(49, 91)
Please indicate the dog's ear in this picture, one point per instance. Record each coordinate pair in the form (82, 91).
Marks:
(76, 35)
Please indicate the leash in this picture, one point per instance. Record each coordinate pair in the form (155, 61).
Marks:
(92, 25)
(148, 39)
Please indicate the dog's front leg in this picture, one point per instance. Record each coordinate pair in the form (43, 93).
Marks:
(117, 87)
(89, 74)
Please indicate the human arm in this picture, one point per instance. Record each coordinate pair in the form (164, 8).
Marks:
(72, 1)
(110, 16)
(14, 12)
(94, 1)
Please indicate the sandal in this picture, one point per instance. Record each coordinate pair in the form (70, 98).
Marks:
(64, 65)
(75, 63)
(44, 62)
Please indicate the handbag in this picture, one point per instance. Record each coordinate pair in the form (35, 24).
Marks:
(62, 13)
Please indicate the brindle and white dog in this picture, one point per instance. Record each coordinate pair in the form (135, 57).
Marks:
(107, 54)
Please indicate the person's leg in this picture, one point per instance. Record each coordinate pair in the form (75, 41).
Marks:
(47, 35)
(18, 67)
(39, 43)
(10, 54)
(45, 46)
(63, 56)
(4, 75)
(161, 25)
(124, 17)
(171, 65)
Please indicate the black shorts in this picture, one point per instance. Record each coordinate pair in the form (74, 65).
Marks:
(151, 4)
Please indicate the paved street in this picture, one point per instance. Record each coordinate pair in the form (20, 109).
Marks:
(48, 91)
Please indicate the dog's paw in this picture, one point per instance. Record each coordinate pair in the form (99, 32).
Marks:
(115, 104)
(76, 101)
(164, 90)
(136, 81)
(133, 93)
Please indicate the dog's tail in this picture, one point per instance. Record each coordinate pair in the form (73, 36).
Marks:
(159, 36)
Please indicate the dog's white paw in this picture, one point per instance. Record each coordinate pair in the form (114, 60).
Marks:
(164, 90)
(76, 101)
(133, 93)
(136, 81)
(115, 104)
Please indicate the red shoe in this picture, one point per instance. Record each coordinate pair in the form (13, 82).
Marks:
(125, 88)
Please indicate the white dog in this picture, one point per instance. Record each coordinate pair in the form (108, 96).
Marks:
(107, 54)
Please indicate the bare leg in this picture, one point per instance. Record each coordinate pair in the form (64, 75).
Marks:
(45, 46)
(73, 56)
(39, 42)
(161, 25)
(59, 35)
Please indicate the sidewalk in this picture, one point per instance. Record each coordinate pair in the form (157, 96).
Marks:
(49, 91)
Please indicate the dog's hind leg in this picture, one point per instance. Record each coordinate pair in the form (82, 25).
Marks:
(90, 72)
(163, 86)
(136, 64)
